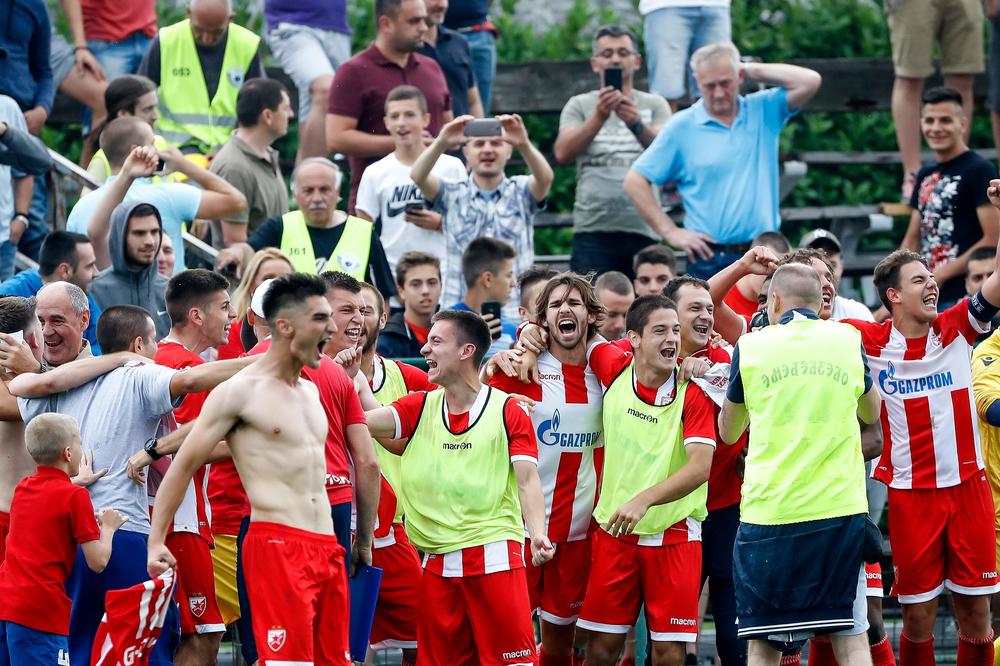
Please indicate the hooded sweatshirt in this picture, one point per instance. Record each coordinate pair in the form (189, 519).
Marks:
(120, 285)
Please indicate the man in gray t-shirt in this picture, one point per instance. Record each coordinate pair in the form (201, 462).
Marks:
(604, 131)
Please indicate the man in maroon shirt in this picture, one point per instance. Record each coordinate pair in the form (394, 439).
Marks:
(354, 121)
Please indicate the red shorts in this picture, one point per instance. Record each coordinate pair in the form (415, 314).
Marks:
(298, 591)
(943, 538)
(195, 592)
(873, 580)
(4, 528)
(556, 589)
(395, 624)
(483, 620)
(624, 576)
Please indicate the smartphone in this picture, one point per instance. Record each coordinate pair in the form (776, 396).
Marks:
(492, 308)
(613, 78)
(414, 205)
(161, 166)
(483, 127)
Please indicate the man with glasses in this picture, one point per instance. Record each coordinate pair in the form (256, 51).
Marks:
(604, 131)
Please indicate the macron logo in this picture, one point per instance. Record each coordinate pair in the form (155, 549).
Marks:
(683, 621)
(644, 417)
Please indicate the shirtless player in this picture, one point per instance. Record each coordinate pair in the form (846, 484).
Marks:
(276, 429)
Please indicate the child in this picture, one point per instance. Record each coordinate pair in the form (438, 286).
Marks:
(49, 516)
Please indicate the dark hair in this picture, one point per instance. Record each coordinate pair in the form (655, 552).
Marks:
(616, 282)
(191, 289)
(482, 255)
(387, 8)
(119, 325)
(774, 240)
(470, 328)
(674, 286)
(120, 135)
(805, 255)
(255, 96)
(587, 294)
(404, 92)
(654, 254)
(379, 298)
(886, 275)
(941, 94)
(980, 253)
(122, 94)
(290, 290)
(643, 308)
(615, 30)
(17, 314)
(340, 280)
(529, 277)
(59, 247)
(412, 259)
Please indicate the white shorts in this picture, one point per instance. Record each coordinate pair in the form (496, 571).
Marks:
(860, 608)
(306, 54)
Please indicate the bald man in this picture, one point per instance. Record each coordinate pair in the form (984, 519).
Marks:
(197, 113)
(801, 386)
(317, 237)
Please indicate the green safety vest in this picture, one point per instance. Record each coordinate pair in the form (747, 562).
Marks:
(643, 445)
(393, 388)
(460, 489)
(187, 116)
(349, 256)
(801, 383)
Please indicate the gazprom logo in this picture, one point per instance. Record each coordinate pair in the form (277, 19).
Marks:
(891, 386)
(550, 435)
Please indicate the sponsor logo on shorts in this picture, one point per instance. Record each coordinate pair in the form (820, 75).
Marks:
(891, 386)
(873, 576)
(989, 574)
(644, 417)
(683, 621)
(456, 446)
(515, 655)
(276, 638)
(197, 604)
(550, 435)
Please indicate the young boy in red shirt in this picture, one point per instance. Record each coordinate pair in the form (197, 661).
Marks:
(49, 516)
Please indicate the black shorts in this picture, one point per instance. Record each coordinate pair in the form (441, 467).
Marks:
(796, 579)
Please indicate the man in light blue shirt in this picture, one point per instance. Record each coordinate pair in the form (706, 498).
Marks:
(178, 203)
(723, 154)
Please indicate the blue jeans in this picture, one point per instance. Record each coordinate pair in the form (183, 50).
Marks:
(672, 34)
(23, 646)
(120, 58)
(483, 46)
(706, 268)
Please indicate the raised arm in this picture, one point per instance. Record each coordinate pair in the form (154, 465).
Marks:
(449, 137)
(219, 199)
(140, 163)
(68, 376)
(541, 173)
(684, 481)
(218, 416)
(758, 260)
(206, 376)
(799, 83)
(529, 491)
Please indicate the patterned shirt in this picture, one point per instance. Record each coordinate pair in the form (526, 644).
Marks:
(505, 213)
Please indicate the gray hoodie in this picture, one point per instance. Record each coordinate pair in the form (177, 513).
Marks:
(119, 285)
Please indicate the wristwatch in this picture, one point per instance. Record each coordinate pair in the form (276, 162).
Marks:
(23, 217)
(150, 448)
(636, 127)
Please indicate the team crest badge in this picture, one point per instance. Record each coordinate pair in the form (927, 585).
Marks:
(275, 638)
(349, 262)
(197, 604)
(236, 76)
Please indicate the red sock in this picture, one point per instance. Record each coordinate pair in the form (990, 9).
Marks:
(545, 659)
(975, 651)
(912, 653)
(791, 659)
(882, 653)
(821, 652)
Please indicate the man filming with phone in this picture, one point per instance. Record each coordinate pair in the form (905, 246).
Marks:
(486, 202)
(604, 131)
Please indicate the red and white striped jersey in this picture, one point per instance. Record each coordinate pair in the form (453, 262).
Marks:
(478, 561)
(133, 620)
(570, 432)
(929, 429)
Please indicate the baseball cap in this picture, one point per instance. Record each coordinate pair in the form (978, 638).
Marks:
(257, 300)
(821, 239)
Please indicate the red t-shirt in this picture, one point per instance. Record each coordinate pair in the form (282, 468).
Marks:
(520, 434)
(343, 408)
(419, 333)
(225, 491)
(49, 516)
(740, 304)
(233, 347)
(361, 86)
(114, 21)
